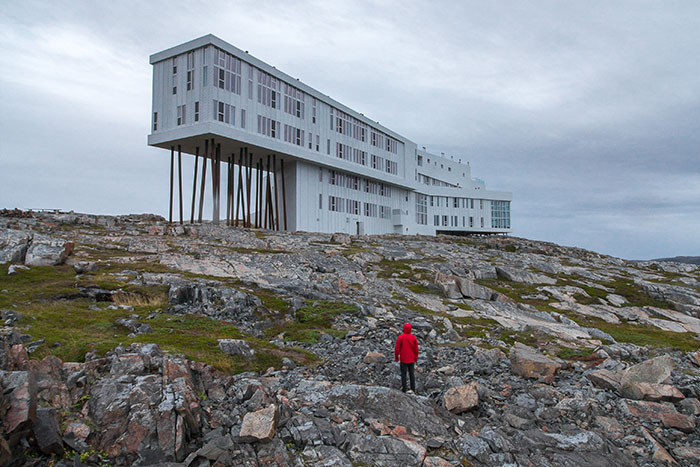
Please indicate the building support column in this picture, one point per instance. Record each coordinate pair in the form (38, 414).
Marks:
(194, 184)
(284, 195)
(216, 173)
(230, 167)
(204, 179)
(172, 169)
(179, 176)
(277, 204)
(249, 174)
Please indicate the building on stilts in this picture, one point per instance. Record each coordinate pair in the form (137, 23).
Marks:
(295, 159)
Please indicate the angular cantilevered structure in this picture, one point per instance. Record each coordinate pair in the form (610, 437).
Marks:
(295, 159)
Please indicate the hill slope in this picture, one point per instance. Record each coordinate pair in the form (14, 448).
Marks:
(244, 346)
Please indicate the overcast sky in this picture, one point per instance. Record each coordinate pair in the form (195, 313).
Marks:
(589, 112)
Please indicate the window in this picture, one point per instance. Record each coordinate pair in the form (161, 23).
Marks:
(320, 174)
(320, 201)
(311, 142)
(180, 114)
(471, 221)
(455, 221)
(293, 101)
(267, 89)
(481, 204)
(420, 160)
(224, 112)
(335, 204)
(500, 214)
(482, 222)
(353, 207)
(175, 83)
(472, 204)
(328, 148)
(431, 201)
(313, 115)
(204, 75)
(250, 81)
(268, 127)
(189, 79)
(242, 118)
(436, 220)
(318, 143)
(455, 203)
(227, 71)
(444, 221)
(155, 121)
(421, 209)
(196, 111)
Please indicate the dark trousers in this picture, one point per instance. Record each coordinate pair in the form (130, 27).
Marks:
(404, 368)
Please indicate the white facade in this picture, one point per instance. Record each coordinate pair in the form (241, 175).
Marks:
(343, 172)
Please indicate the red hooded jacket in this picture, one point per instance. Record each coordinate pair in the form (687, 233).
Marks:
(406, 346)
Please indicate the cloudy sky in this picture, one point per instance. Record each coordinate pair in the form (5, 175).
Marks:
(588, 111)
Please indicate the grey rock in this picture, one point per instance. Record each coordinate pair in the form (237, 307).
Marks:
(47, 251)
(13, 245)
(46, 431)
(236, 347)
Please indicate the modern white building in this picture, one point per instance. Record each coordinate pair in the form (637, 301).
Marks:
(296, 159)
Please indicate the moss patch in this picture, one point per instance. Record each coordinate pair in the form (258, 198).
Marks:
(312, 320)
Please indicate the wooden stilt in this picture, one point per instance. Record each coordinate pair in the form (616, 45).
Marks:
(277, 204)
(172, 169)
(229, 180)
(260, 194)
(194, 184)
(241, 185)
(179, 176)
(249, 174)
(284, 195)
(216, 173)
(239, 199)
(267, 194)
(257, 190)
(204, 179)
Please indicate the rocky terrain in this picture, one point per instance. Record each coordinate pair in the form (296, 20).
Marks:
(128, 341)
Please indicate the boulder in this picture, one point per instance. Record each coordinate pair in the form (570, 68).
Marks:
(260, 425)
(342, 238)
(695, 357)
(47, 251)
(688, 453)
(663, 412)
(16, 268)
(134, 326)
(652, 392)
(529, 363)
(655, 371)
(526, 277)
(19, 389)
(660, 454)
(374, 357)
(236, 347)
(82, 267)
(13, 245)
(461, 398)
(470, 289)
(46, 431)
(605, 379)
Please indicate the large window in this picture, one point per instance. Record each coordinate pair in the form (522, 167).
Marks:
(224, 112)
(500, 214)
(227, 71)
(268, 89)
(180, 114)
(293, 101)
(268, 127)
(421, 209)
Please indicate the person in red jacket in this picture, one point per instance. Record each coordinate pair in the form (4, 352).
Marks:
(407, 351)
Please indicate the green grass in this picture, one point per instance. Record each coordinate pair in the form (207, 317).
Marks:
(48, 300)
(312, 320)
(401, 268)
(576, 354)
(421, 289)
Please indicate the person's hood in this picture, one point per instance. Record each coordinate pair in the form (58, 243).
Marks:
(407, 328)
